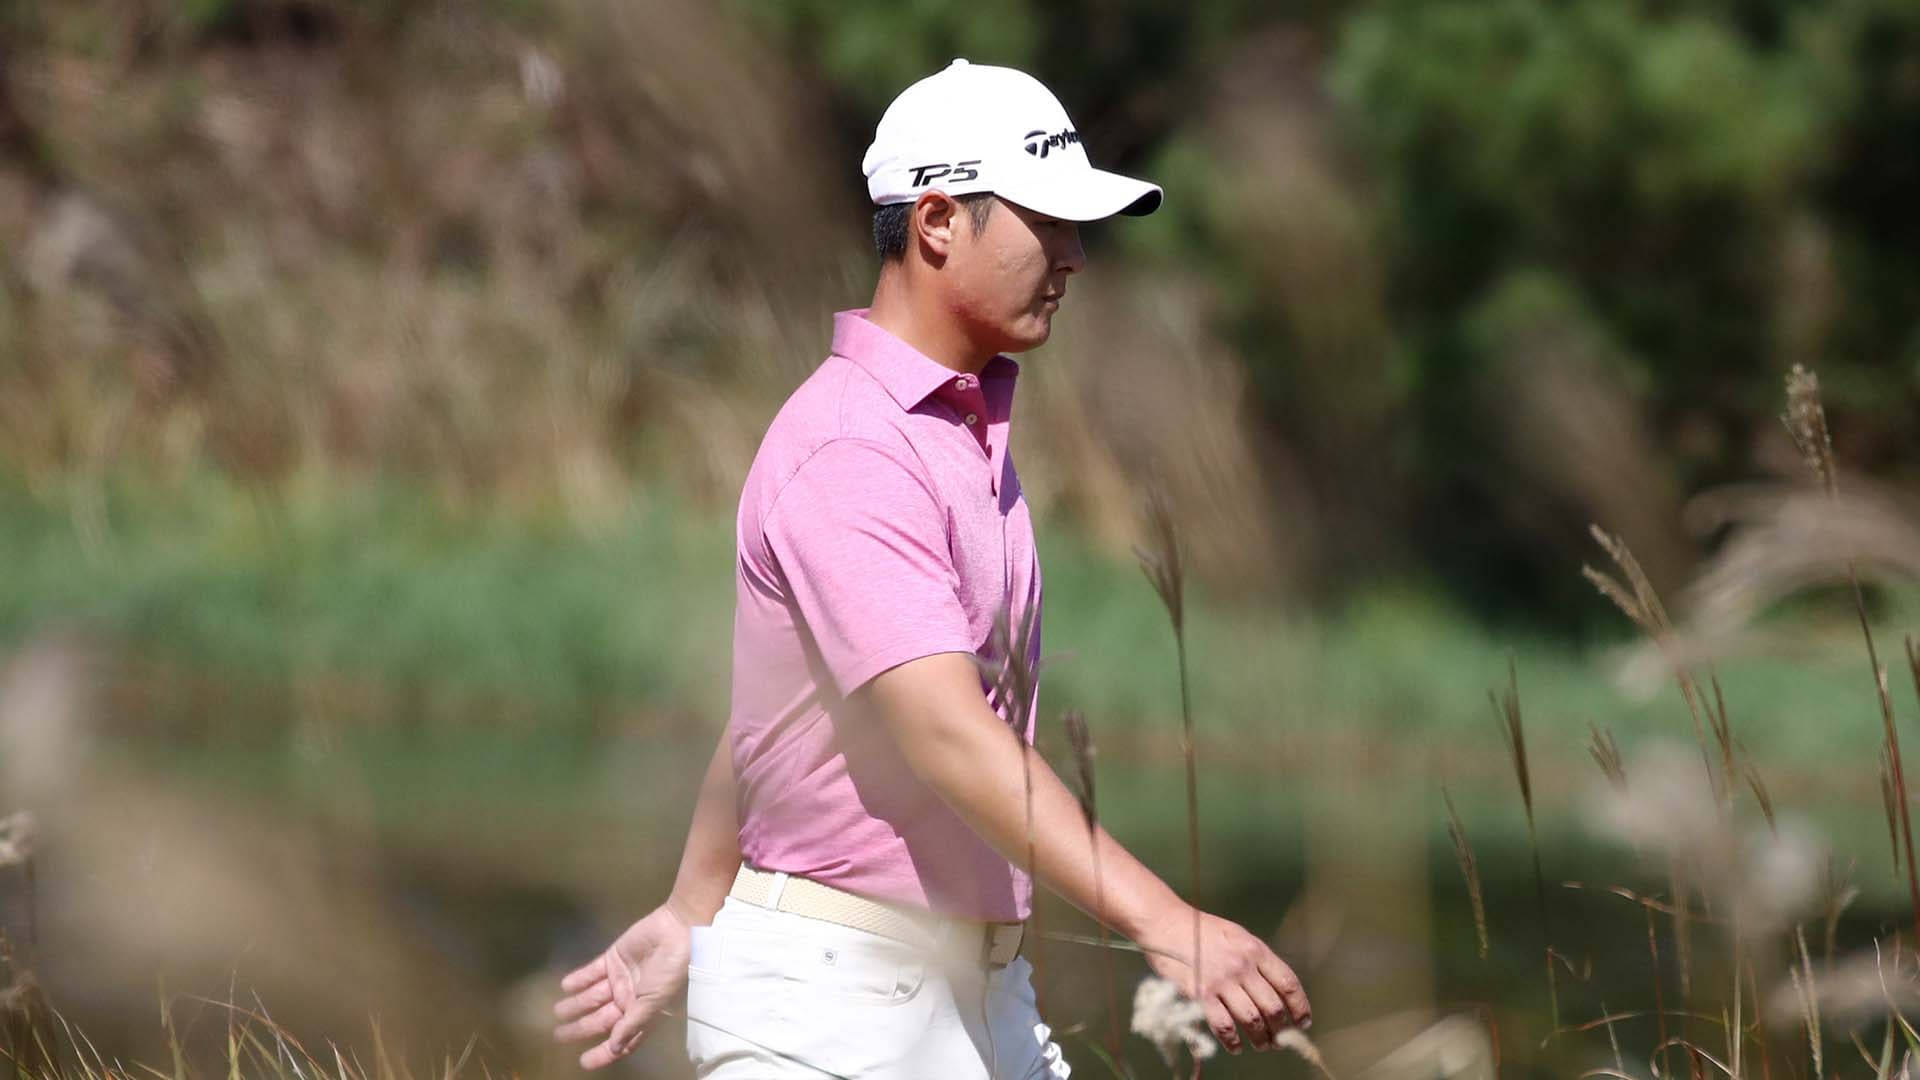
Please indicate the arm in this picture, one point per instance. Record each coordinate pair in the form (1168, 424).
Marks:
(617, 993)
(962, 749)
(870, 567)
(712, 855)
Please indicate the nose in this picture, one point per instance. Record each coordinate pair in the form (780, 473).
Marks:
(1071, 258)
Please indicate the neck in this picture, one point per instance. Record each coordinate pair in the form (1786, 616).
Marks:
(914, 316)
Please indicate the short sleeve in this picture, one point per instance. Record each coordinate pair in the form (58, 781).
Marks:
(862, 543)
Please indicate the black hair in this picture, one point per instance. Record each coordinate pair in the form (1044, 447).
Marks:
(890, 222)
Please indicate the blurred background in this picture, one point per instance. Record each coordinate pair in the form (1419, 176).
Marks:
(377, 378)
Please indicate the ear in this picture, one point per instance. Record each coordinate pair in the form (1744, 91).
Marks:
(932, 224)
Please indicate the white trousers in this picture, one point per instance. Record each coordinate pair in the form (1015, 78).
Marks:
(771, 994)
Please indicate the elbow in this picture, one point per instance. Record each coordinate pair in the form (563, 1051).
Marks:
(938, 718)
(935, 747)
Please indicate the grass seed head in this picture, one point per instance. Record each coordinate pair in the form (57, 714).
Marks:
(1606, 754)
(1506, 713)
(1080, 739)
(1160, 558)
(1469, 869)
(1806, 421)
(1617, 593)
(1170, 1021)
(1295, 1040)
(1637, 598)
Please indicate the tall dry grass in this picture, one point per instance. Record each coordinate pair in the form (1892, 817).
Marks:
(255, 1046)
(1161, 561)
(1806, 421)
(1747, 871)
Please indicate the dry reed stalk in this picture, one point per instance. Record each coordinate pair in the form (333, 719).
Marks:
(1469, 868)
(1014, 685)
(1890, 803)
(1837, 892)
(1761, 796)
(1893, 1007)
(1759, 1024)
(1659, 990)
(1080, 739)
(1161, 563)
(1806, 422)
(1642, 605)
(1613, 1040)
(1682, 936)
(1638, 601)
(1736, 1034)
(1809, 1001)
(1506, 711)
(1722, 728)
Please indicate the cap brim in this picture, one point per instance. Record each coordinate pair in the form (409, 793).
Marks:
(1085, 195)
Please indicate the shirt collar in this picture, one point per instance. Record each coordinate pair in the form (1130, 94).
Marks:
(908, 374)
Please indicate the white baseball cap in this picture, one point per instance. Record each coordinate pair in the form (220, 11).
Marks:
(973, 127)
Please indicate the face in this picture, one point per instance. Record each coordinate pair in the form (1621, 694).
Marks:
(1004, 284)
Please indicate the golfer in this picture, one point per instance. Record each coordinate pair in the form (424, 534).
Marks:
(850, 901)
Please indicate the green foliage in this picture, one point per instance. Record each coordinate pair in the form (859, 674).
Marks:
(1130, 72)
(1673, 169)
(1534, 110)
(873, 48)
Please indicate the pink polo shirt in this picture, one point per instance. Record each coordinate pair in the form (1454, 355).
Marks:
(881, 521)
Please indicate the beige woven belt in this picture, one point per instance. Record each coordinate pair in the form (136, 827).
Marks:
(1000, 942)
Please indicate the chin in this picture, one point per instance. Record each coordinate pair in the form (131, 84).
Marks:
(1028, 335)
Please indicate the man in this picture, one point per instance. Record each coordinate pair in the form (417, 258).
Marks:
(849, 902)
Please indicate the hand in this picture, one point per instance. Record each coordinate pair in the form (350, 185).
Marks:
(618, 993)
(1245, 982)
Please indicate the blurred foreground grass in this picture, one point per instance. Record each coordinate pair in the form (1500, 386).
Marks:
(451, 655)
(507, 714)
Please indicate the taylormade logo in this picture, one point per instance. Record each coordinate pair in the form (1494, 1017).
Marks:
(1038, 143)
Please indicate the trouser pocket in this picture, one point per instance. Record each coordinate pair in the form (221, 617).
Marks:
(773, 994)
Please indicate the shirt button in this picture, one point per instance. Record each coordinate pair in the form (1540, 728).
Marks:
(972, 418)
(961, 383)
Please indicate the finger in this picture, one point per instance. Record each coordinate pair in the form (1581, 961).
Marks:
(627, 1032)
(592, 1026)
(1273, 1011)
(603, 1054)
(1287, 985)
(1220, 1022)
(583, 976)
(584, 1002)
(1247, 1015)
